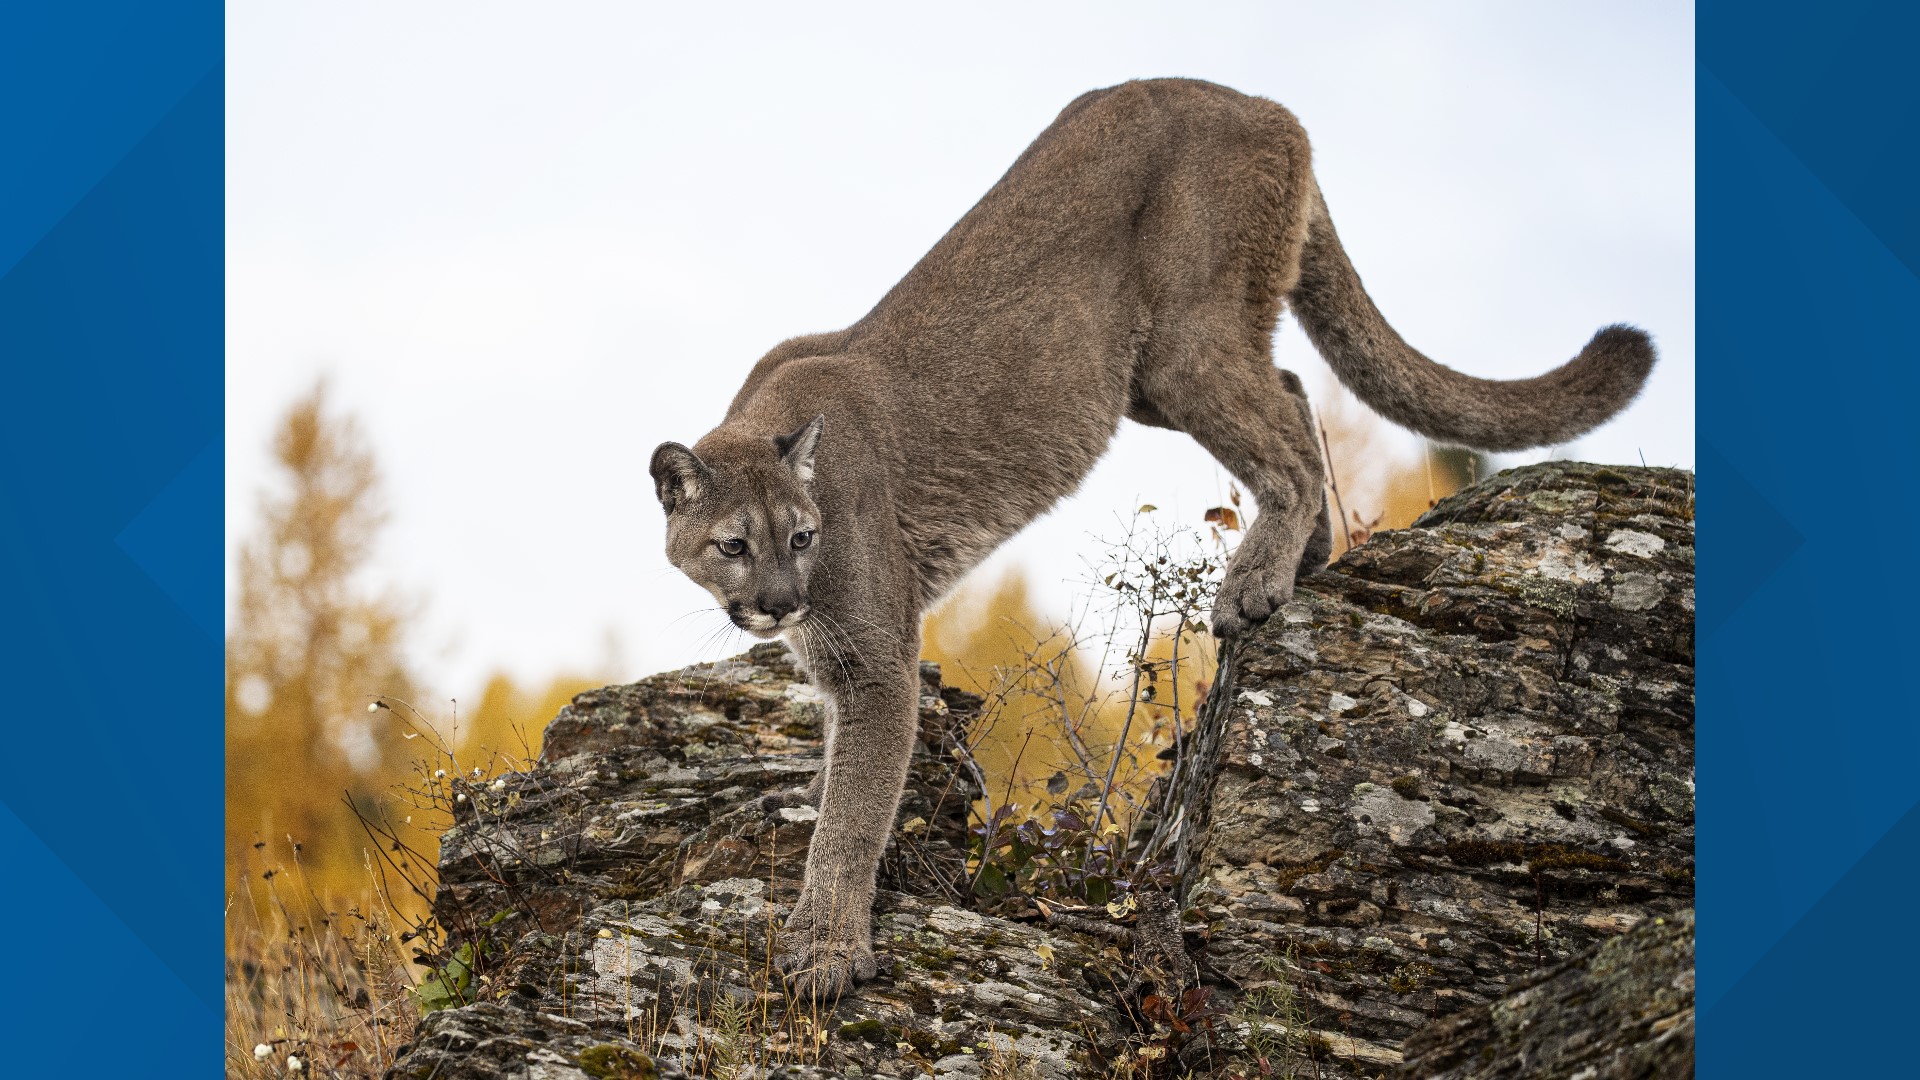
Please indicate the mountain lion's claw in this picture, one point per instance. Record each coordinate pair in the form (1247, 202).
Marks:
(824, 970)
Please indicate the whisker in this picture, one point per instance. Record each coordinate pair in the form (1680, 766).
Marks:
(837, 651)
(823, 644)
(716, 637)
(691, 614)
(847, 635)
(870, 624)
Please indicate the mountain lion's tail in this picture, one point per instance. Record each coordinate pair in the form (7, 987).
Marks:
(1437, 401)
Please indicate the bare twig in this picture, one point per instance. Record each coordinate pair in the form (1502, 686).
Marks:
(1333, 482)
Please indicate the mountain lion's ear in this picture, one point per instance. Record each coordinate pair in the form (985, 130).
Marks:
(796, 450)
(678, 474)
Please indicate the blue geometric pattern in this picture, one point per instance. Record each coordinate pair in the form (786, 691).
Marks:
(1766, 541)
(111, 327)
(159, 539)
(1809, 316)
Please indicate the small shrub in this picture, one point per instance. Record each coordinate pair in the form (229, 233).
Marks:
(1101, 824)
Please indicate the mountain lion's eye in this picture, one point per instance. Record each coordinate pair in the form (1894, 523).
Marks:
(802, 539)
(732, 549)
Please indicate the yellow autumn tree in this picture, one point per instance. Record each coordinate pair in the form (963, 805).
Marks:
(309, 649)
(502, 730)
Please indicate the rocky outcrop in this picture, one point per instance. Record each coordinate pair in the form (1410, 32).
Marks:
(1463, 753)
(626, 890)
(1460, 756)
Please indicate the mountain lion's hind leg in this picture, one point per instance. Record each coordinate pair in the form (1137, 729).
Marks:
(1253, 418)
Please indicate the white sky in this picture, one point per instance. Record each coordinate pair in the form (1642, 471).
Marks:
(529, 242)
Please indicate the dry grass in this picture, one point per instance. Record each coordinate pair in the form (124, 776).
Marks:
(322, 987)
(339, 987)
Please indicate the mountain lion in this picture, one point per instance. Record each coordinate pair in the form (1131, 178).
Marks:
(1132, 263)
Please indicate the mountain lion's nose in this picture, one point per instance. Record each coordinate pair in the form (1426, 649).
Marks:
(779, 609)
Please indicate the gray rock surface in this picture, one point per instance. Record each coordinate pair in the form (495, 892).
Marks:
(1462, 755)
(1620, 1011)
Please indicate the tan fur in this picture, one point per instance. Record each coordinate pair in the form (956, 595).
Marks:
(1132, 263)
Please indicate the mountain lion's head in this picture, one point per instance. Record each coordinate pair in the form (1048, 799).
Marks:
(742, 523)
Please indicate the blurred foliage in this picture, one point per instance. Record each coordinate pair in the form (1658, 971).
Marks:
(1371, 486)
(311, 648)
(309, 651)
(986, 641)
(505, 727)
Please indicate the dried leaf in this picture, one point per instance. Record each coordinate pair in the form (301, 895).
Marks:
(1225, 517)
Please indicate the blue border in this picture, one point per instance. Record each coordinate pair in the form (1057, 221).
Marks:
(1809, 753)
(111, 325)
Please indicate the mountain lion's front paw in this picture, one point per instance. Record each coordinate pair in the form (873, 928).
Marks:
(824, 968)
(1249, 596)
